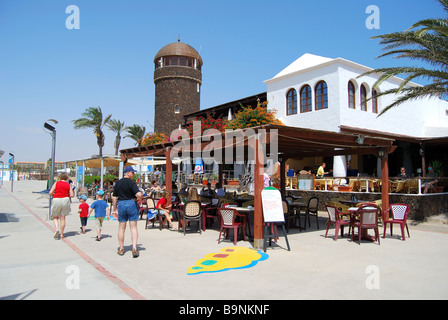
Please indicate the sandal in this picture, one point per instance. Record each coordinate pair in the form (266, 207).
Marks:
(135, 254)
(120, 252)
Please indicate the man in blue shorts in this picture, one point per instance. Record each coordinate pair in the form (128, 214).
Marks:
(124, 198)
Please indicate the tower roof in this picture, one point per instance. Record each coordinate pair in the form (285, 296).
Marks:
(178, 49)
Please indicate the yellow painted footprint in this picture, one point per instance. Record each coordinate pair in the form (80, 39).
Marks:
(227, 259)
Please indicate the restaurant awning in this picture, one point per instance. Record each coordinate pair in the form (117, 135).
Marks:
(290, 142)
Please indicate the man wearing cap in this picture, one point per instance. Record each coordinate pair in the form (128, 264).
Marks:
(124, 198)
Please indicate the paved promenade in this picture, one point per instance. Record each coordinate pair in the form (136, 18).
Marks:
(35, 266)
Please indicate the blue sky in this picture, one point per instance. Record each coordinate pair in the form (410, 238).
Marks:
(50, 72)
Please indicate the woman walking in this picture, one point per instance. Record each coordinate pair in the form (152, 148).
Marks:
(60, 208)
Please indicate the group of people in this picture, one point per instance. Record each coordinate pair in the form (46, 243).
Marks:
(426, 184)
(125, 208)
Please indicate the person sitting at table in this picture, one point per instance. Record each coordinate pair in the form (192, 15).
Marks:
(164, 209)
(403, 173)
(183, 190)
(427, 184)
(219, 191)
(193, 195)
(207, 192)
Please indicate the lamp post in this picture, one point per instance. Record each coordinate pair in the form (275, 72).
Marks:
(11, 162)
(2, 171)
(53, 146)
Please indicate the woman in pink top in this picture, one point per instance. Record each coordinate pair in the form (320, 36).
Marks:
(61, 192)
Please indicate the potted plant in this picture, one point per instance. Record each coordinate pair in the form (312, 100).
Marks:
(233, 182)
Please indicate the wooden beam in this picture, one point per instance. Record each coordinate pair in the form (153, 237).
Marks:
(258, 206)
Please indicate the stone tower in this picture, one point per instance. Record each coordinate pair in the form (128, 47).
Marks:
(178, 80)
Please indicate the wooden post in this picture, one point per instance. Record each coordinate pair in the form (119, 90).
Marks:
(169, 173)
(283, 177)
(385, 182)
(258, 188)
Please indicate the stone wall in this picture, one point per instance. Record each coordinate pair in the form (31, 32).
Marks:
(175, 86)
(422, 206)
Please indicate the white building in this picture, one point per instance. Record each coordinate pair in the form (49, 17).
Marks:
(327, 94)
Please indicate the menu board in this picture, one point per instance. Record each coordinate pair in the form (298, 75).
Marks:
(305, 182)
(272, 205)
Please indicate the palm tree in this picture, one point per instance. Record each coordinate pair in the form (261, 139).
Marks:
(93, 118)
(118, 127)
(136, 132)
(425, 41)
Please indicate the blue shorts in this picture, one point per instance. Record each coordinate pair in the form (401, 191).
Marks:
(127, 211)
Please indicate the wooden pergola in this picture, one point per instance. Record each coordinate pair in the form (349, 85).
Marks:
(272, 142)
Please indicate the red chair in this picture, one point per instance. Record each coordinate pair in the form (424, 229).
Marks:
(368, 219)
(334, 217)
(228, 216)
(211, 212)
(398, 213)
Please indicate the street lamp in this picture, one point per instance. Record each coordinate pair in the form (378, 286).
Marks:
(11, 162)
(53, 146)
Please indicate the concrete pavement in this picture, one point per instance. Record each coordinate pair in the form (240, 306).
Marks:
(35, 266)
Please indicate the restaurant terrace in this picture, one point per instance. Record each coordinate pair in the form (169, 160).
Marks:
(270, 141)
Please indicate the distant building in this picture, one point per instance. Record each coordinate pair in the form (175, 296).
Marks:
(327, 94)
(178, 80)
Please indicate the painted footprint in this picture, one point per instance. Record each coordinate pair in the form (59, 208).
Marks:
(228, 259)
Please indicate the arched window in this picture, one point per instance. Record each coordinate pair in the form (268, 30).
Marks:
(363, 98)
(351, 95)
(305, 99)
(374, 101)
(291, 101)
(176, 109)
(321, 93)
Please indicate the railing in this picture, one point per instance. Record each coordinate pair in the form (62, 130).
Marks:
(417, 185)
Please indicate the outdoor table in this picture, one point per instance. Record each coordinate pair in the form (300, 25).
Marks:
(241, 200)
(353, 213)
(297, 205)
(247, 212)
(352, 202)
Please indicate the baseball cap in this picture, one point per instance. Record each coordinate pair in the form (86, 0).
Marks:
(129, 169)
(100, 193)
(82, 197)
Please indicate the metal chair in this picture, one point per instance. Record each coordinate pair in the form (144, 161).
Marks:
(334, 217)
(311, 209)
(396, 214)
(192, 213)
